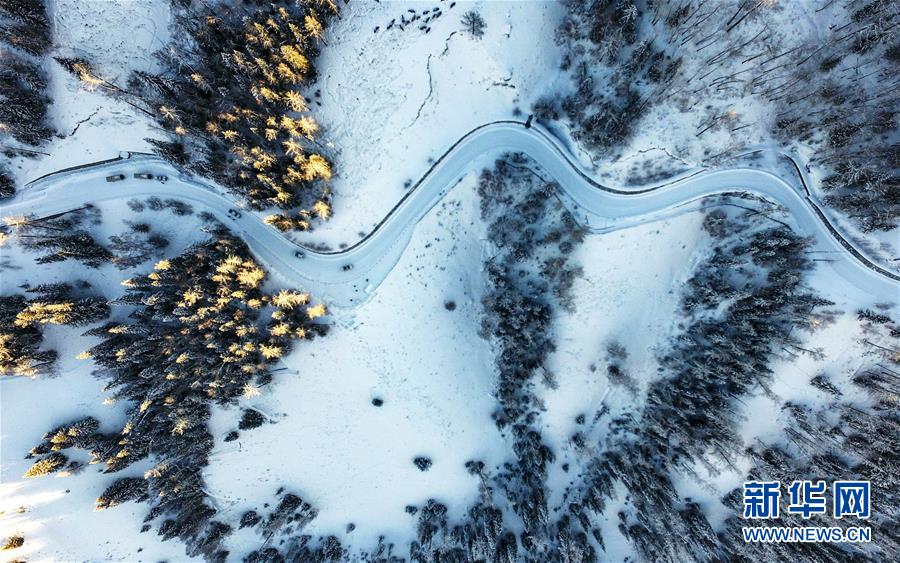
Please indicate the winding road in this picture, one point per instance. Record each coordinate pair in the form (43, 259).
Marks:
(374, 256)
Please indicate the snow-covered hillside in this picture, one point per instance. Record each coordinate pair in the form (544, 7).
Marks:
(342, 326)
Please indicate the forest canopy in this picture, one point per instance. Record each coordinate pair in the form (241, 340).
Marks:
(232, 97)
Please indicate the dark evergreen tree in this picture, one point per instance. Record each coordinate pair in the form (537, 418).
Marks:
(473, 24)
(7, 186)
(23, 101)
(251, 419)
(24, 25)
(231, 94)
(123, 490)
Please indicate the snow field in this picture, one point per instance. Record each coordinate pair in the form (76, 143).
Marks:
(348, 458)
(393, 100)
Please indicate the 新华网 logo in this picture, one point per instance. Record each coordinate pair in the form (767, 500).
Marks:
(763, 501)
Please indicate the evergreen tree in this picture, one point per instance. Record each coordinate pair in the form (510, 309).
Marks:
(202, 331)
(20, 352)
(21, 322)
(24, 25)
(231, 95)
(7, 186)
(473, 24)
(23, 110)
(121, 491)
(62, 237)
(47, 465)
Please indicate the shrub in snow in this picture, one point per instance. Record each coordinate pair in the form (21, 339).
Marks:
(250, 518)
(13, 542)
(423, 463)
(251, 419)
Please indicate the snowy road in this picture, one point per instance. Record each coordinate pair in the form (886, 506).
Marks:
(374, 256)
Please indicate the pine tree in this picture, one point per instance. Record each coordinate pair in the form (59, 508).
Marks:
(7, 186)
(249, 62)
(24, 109)
(14, 541)
(123, 490)
(473, 24)
(21, 323)
(47, 465)
(27, 26)
(202, 331)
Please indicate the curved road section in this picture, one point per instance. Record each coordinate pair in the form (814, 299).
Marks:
(372, 258)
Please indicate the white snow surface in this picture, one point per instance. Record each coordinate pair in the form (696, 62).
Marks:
(118, 37)
(390, 101)
(354, 461)
(394, 99)
(628, 294)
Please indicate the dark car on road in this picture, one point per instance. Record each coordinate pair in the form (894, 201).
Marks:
(143, 176)
(234, 213)
(347, 267)
(299, 254)
(115, 177)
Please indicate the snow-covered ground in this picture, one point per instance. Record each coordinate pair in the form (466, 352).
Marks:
(352, 460)
(118, 37)
(619, 299)
(394, 99)
(390, 101)
(633, 302)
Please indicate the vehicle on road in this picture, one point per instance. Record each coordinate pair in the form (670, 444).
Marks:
(234, 213)
(299, 254)
(347, 267)
(162, 178)
(595, 199)
(115, 177)
(143, 176)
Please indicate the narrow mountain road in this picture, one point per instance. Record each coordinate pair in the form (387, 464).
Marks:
(372, 258)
